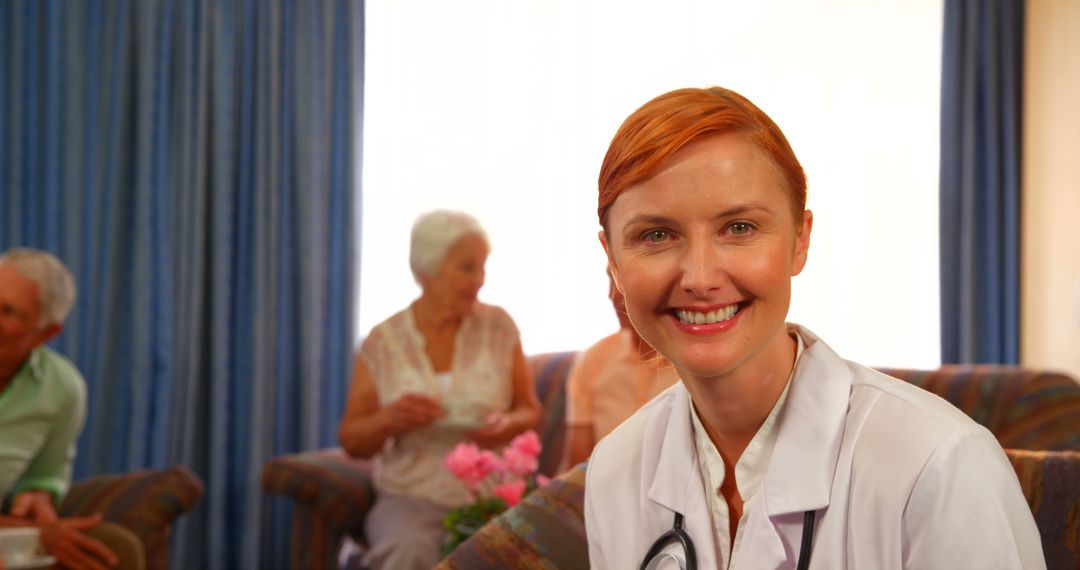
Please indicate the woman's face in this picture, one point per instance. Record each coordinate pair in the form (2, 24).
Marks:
(704, 253)
(457, 283)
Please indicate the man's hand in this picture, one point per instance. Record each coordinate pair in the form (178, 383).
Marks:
(65, 539)
(35, 506)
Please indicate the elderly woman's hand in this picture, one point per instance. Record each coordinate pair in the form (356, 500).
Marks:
(498, 430)
(414, 410)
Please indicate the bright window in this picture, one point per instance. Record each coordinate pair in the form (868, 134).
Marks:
(505, 109)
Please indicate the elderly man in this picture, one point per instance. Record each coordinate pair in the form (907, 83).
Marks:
(42, 407)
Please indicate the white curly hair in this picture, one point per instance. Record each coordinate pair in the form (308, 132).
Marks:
(433, 233)
(55, 285)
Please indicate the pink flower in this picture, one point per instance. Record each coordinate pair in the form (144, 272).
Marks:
(527, 443)
(488, 462)
(519, 462)
(542, 480)
(464, 461)
(511, 491)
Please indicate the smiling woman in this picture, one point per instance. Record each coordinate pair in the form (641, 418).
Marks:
(724, 267)
(772, 449)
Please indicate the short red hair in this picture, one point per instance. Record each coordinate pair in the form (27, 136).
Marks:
(659, 128)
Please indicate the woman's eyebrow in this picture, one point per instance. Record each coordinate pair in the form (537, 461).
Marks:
(650, 219)
(656, 219)
(743, 209)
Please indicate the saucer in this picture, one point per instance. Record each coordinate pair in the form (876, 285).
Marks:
(41, 561)
(458, 424)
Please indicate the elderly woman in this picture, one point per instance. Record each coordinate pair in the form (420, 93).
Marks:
(445, 369)
(772, 451)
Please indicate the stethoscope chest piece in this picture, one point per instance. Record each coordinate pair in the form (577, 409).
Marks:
(667, 561)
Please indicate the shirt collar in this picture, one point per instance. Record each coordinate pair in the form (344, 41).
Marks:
(32, 366)
(809, 431)
(752, 464)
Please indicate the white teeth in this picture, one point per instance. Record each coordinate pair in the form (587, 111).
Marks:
(697, 318)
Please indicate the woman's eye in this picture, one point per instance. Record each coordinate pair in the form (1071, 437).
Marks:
(740, 228)
(655, 236)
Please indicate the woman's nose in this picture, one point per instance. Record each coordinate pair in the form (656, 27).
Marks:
(701, 270)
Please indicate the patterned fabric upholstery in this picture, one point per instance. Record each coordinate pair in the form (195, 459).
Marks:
(1051, 484)
(549, 372)
(1025, 409)
(545, 531)
(331, 492)
(144, 502)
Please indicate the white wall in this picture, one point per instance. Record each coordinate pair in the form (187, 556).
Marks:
(505, 109)
(1050, 254)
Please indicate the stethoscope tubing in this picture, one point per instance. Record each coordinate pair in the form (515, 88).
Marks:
(807, 540)
(678, 534)
(675, 534)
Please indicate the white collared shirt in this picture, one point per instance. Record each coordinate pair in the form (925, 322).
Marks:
(749, 469)
(939, 493)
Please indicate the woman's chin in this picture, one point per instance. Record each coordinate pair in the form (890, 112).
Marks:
(468, 307)
(696, 371)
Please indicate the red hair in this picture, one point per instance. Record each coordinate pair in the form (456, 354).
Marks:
(659, 128)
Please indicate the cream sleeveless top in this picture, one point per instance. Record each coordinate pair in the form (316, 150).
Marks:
(480, 383)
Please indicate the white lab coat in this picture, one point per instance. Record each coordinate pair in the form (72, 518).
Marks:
(899, 479)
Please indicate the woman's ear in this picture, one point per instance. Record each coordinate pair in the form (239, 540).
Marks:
(802, 243)
(613, 270)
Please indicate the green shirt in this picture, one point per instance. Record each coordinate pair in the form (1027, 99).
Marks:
(42, 412)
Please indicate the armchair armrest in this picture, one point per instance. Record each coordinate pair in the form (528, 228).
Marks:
(331, 493)
(145, 502)
(545, 530)
(1049, 482)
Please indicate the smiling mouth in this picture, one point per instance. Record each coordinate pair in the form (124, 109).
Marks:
(707, 318)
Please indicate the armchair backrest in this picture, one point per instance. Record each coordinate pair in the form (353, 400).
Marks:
(1022, 407)
(549, 374)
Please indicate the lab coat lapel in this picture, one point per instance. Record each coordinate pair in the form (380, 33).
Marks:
(800, 474)
(676, 483)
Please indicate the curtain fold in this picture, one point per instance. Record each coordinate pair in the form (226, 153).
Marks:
(982, 74)
(194, 163)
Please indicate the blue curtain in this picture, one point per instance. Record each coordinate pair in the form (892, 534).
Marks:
(195, 163)
(981, 81)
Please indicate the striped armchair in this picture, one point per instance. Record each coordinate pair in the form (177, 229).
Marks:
(145, 502)
(1025, 409)
(331, 492)
(547, 529)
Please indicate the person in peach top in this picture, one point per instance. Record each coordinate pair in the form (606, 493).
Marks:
(608, 382)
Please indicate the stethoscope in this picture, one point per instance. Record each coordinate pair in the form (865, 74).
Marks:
(677, 534)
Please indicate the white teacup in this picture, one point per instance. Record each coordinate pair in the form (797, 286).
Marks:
(18, 545)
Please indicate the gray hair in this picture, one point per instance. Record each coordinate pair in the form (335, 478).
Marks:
(432, 235)
(55, 285)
